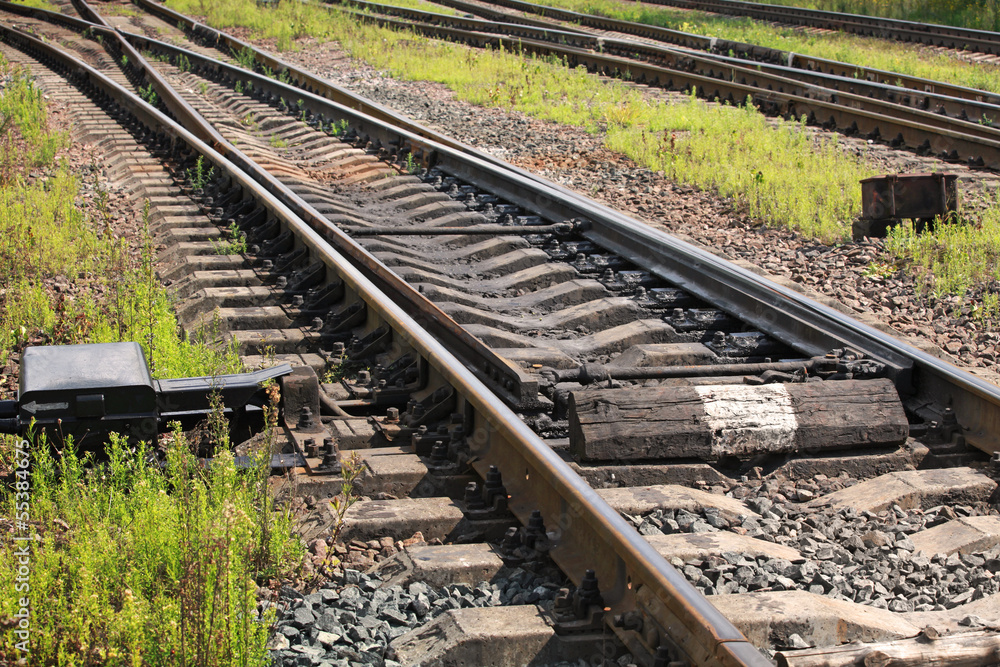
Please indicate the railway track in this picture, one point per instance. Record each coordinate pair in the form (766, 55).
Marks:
(953, 129)
(953, 37)
(546, 16)
(589, 377)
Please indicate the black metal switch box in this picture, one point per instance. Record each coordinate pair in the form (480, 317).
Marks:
(97, 388)
(89, 391)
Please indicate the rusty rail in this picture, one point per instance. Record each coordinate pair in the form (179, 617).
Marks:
(763, 55)
(927, 132)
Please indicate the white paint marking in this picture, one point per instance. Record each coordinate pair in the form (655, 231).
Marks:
(34, 407)
(745, 419)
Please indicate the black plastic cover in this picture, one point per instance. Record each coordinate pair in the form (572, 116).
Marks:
(96, 382)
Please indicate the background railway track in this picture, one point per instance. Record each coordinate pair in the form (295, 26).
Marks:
(524, 295)
(903, 119)
(545, 16)
(872, 26)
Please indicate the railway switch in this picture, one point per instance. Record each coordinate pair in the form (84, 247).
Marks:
(89, 391)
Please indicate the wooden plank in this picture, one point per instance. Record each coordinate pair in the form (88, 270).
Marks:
(711, 421)
(972, 649)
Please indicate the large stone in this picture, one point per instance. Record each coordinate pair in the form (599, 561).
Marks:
(949, 620)
(964, 536)
(688, 546)
(514, 635)
(639, 500)
(372, 519)
(440, 565)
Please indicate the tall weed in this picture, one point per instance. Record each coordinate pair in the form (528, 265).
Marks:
(958, 257)
(48, 244)
(39, 4)
(142, 565)
(25, 139)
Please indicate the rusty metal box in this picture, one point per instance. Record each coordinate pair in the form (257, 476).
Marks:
(896, 196)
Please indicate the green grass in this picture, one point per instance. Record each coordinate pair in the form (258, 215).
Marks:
(38, 4)
(776, 174)
(118, 10)
(47, 240)
(978, 14)
(290, 21)
(960, 258)
(422, 5)
(865, 52)
(138, 565)
(236, 244)
(25, 140)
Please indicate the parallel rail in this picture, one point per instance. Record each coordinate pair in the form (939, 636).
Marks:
(966, 39)
(757, 54)
(672, 66)
(902, 126)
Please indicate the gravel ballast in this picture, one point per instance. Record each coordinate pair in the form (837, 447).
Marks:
(863, 557)
(351, 623)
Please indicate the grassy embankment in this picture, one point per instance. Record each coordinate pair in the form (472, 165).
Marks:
(129, 564)
(38, 4)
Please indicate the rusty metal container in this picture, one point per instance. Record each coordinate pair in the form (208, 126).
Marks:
(885, 200)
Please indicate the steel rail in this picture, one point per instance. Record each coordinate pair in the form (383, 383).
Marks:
(633, 574)
(476, 230)
(548, 31)
(857, 94)
(955, 101)
(719, 46)
(967, 39)
(797, 321)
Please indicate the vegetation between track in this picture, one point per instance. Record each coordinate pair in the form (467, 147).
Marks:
(38, 4)
(863, 51)
(67, 277)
